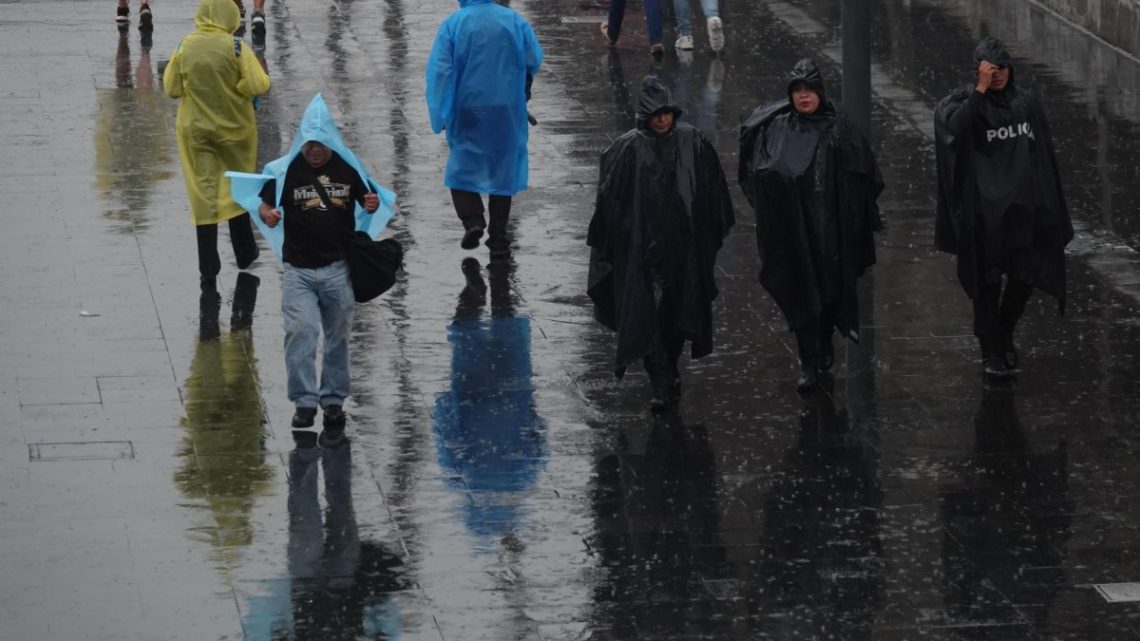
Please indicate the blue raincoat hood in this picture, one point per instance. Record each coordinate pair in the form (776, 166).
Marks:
(316, 125)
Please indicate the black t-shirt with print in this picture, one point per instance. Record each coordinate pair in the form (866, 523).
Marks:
(314, 236)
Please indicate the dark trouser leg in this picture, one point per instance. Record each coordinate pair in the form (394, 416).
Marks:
(653, 20)
(209, 264)
(661, 365)
(807, 343)
(987, 319)
(497, 240)
(1013, 303)
(613, 22)
(469, 208)
(826, 351)
(241, 237)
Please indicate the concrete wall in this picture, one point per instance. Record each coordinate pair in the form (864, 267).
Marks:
(1117, 21)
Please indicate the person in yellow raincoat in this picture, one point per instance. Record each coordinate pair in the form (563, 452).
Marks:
(216, 76)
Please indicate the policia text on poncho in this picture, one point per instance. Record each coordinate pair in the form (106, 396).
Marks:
(661, 214)
(1001, 207)
(813, 182)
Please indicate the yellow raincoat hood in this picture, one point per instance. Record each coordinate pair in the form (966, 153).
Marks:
(217, 15)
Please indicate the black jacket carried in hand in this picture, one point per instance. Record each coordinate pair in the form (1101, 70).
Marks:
(661, 214)
(814, 184)
(1001, 207)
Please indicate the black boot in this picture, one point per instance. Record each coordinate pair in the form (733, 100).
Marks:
(469, 208)
(498, 240)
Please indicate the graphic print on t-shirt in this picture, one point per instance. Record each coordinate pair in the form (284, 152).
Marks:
(307, 198)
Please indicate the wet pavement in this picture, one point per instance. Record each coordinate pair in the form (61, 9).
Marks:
(498, 483)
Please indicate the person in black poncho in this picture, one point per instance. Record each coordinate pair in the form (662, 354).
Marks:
(1001, 207)
(662, 212)
(811, 177)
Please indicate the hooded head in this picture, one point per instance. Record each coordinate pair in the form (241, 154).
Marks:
(217, 15)
(806, 75)
(468, 3)
(993, 51)
(655, 98)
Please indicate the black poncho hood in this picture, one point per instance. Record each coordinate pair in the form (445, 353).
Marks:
(655, 97)
(807, 73)
(993, 51)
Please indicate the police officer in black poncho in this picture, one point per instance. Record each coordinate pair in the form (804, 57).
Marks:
(662, 212)
(1001, 207)
(811, 177)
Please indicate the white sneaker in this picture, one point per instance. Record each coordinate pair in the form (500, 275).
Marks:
(716, 33)
(684, 43)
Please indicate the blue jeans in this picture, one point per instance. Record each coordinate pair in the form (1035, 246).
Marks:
(684, 14)
(312, 301)
(652, 20)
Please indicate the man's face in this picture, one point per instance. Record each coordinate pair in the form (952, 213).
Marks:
(1000, 77)
(805, 99)
(661, 122)
(315, 153)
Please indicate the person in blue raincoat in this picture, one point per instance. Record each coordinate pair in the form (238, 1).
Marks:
(479, 74)
(315, 190)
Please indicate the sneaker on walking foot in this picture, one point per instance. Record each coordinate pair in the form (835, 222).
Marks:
(240, 32)
(471, 237)
(716, 33)
(334, 417)
(122, 16)
(304, 416)
(146, 19)
(683, 43)
(257, 25)
(656, 49)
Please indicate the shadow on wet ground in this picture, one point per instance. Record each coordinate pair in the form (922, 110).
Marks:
(497, 482)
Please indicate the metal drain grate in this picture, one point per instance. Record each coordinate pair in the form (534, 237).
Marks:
(81, 451)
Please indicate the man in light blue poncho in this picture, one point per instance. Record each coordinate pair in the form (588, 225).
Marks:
(322, 193)
(482, 63)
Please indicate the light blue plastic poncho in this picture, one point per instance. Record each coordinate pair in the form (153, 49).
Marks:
(476, 91)
(317, 124)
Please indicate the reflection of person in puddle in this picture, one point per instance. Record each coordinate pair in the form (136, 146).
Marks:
(224, 443)
(820, 550)
(658, 532)
(486, 426)
(132, 145)
(340, 586)
(1008, 511)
